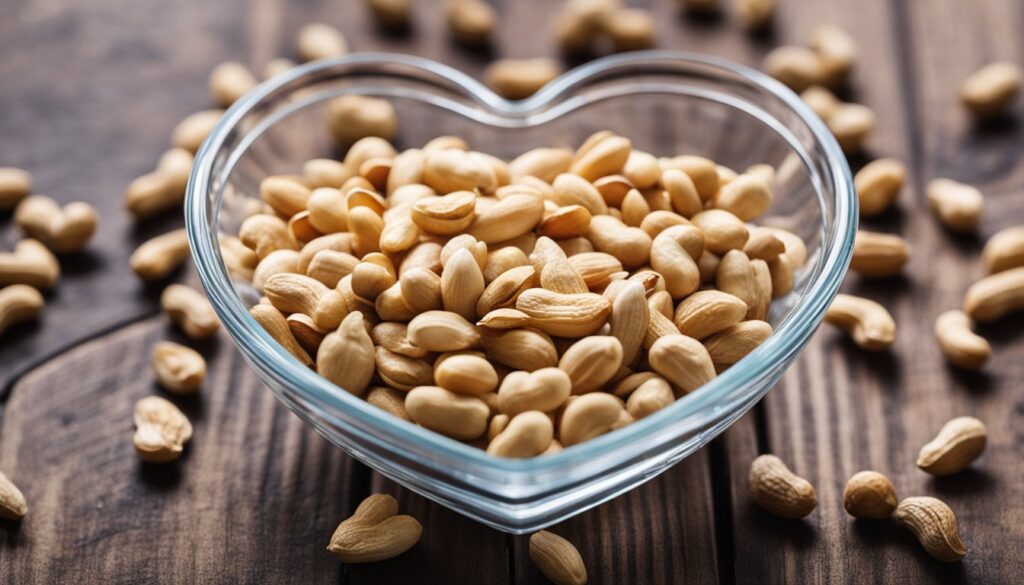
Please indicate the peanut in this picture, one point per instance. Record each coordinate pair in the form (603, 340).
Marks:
(178, 369)
(346, 356)
(851, 124)
(682, 360)
(869, 495)
(18, 303)
(557, 559)
(723, 231)
(391, 14)
(630, 317)
(838, 53)
(797, 67)
(994, 296)
(229, 81)
(878, 255)
(756, 15)
(320, 41)
(591, 362)
(961, 346)
(649, 397)
(527, 435)
(390, 400)
(62, 229)
(605, 157)
(991, 90)
(30, 263)
(351, 118)
(375, 532)
(1004, 250)
(734, 342)
(442, 331)
(957, 205)
(158, 257)
(12, 501)
(778, 490)
(746, 197)
(867, 322)
(15, 185)
(189, 310)
(295, 293)
(161, 430)
(878, 185)
(934, 525)
(518, 79)
(467, 373)
(589, 416)
(190, 133)
(707, 312)
(470, 22)
(564, 315)
(630, 29)
(959, 442)
(276, 67)
(275, 324)
(544, 389)
(453, 415)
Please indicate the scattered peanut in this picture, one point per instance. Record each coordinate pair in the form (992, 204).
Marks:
(375, 532)
(869, 495)
(778, 490)
(991, 90)
(878, 185)
(30, 263)
(351, 118)
(162, 189)
(189, 310)
(1004, 250)
(229, 81)
(62, 229)
(756, 15)
(996, 295)
(471, 22)
(190, 133)
(961, 346)
(959, 442)
(878, 255)
(12, 501)
(178, 369)
(18, 303)
(156, 258)
(15, 185)
(838, 53)
(391, 14)
(868, 323)
(320, 41)
(934, 525)
(957, 205)
(161, 430)
(557, 559)
(797, 67)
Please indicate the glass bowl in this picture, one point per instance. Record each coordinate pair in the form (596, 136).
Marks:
(667, 103)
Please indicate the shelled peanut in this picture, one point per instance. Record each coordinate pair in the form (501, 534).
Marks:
(513, 304)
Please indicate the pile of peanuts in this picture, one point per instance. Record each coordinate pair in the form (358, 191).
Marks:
(520, 306)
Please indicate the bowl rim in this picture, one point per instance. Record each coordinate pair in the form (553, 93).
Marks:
(799, 325)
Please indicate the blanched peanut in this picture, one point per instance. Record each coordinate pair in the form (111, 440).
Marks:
(756, 15)
(961, 346)
(320, 41)
(15, 185)
(797, 67)
(517, 79)
(991, 90)
(878, 255)
(351, 118)
(62, 229)
(190, 133)
(18, 303)
(630, 29)
(471, 22)
(30, 263)
(852, 124)
(229, 81)
(1004, 250)
(163, 189)
(589, 416)
(156, 258)
(527, 435)
(391, 14)
(878, 185)
(451, 414)
(957, 205)
(189, 310)
(995, 296)
(838, 53)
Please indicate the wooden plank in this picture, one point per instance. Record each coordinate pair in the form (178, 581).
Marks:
(840, 410)
(661, 532)
(254, 499)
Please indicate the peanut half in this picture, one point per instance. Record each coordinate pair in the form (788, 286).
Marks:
(959, 442)
(994, 296)
(934, 525)
(178, 369)
(957, 205)
(878, 255)
(189, 310)
(778, 490)
(1004, 250)
(557, 559)
(375, 532)
(156, 258)
(62, 229)
(30, 263)
(517, 79)
(15, 185)
(991, 90)
(161, 430)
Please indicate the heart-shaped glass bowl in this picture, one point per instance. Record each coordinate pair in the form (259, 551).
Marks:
(667, 103)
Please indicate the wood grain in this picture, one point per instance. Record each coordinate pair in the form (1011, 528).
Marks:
(254, 499)
(839, 410)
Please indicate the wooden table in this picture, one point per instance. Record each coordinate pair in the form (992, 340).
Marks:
(89, 92)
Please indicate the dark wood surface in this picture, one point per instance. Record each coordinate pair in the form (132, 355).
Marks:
(88, 95)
